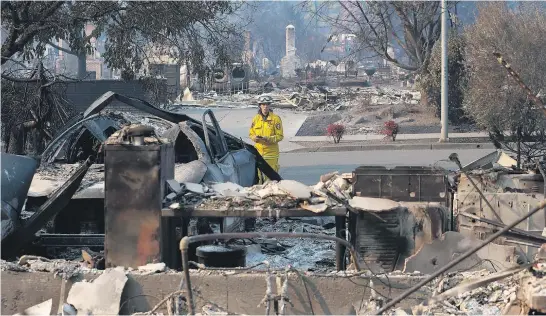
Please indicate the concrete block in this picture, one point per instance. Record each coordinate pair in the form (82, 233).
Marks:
(100, 297)
(43, 308)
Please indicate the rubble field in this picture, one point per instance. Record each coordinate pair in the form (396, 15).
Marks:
(368, 108)
(362, 110)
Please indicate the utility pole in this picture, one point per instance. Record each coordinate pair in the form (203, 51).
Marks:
(445, 89)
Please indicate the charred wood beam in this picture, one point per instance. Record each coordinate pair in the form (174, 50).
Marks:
(58, 201)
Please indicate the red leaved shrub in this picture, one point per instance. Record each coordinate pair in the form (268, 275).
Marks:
(390, 129)
(336, 131)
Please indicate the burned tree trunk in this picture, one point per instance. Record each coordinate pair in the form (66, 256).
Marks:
(18, 136)
(31, 105)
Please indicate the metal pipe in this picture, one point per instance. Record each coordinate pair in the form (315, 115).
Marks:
(467, 254)
(517, 242)
(444, 74)
(184, 244)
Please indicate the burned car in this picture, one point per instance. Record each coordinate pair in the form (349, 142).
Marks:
(203, 152)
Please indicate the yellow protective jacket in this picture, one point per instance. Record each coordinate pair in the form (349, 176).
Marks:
(269, 127)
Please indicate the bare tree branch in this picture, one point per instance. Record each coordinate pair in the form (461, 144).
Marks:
(68, 51)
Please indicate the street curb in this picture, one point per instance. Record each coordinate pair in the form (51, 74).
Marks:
(434, 146)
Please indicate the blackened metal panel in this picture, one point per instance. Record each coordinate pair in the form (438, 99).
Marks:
(168, 240)
(433, 188)
(134, 192)
(58, 201)
(378, 243)
(410, 184)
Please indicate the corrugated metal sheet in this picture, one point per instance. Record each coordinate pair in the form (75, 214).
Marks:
(380, 244)
(377, 242)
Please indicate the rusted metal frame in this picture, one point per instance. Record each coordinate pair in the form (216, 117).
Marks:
(57, 202)
(388, 174)
(186, 241)
(135, 178)
(459, 259)
(458, 162)
(455, 158)
(514, 231)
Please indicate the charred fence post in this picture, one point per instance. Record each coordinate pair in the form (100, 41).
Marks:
(137, 165)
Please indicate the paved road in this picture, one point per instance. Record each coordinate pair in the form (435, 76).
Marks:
(308, 167)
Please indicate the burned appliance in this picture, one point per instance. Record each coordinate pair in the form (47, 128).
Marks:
(387, 237)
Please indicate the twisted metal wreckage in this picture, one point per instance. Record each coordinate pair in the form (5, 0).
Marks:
(289, 296)
(212, 156)
(386, 220)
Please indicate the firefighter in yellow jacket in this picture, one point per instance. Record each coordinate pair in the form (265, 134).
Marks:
(266, 131)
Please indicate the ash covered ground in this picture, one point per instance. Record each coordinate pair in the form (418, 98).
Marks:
(300, 253)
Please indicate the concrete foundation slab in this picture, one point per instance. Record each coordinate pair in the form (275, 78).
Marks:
(237, 293)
